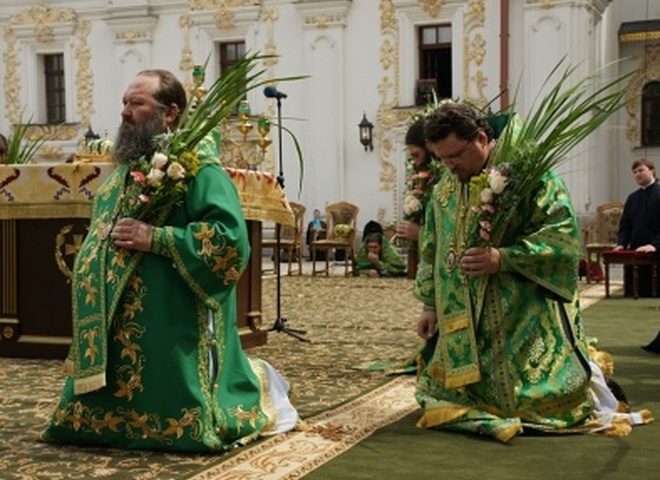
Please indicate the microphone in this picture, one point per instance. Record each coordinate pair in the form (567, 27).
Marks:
(272, 92)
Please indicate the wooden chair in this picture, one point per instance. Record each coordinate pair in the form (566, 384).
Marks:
(602, 234)
(290, 238)
(341, 218)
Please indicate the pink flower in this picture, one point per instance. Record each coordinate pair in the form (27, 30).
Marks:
(143, 198)
(488, 208)
(138, 176)
(423, 174)
(486, 225)
(484, 234)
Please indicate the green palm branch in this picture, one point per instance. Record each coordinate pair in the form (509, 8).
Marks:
(223, 96)
(221, 100)
(557, 123)
(20, 150)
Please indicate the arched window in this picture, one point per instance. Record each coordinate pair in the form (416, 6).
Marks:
(651, 114)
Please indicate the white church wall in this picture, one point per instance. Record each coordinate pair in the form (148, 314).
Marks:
(361, 57)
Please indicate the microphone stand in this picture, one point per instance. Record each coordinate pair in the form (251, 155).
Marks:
(280, 323)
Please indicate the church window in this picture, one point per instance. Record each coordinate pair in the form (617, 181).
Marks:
(230, 54)
(55, 99)
(435, 67)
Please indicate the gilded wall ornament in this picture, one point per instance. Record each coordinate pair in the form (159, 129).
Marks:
(431, 7)
(44, 18)
(84, 75)
(474, 50)
(388, 90)
(224, 19)
(187, 62)
(649, 71)
(12, 78)
(220, 4)
(50, 153)
(547, 4)
(324, 21)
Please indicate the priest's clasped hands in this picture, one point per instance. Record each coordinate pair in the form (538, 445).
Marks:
(132, 234)
(480, 261)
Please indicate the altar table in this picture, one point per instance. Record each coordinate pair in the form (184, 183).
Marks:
(634, 259)
(44, 212)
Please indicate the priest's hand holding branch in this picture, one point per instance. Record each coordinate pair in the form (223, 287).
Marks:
(481, 261)
(132, 234)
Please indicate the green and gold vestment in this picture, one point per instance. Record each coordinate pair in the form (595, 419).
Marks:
(509, 351)
(389, 263)
(156, 360)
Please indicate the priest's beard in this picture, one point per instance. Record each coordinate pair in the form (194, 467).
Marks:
(137, 140)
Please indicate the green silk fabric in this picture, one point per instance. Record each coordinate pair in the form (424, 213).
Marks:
(505, 355)
(389, 264)
(142, 339)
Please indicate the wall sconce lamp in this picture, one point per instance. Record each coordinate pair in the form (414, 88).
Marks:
(366, 133)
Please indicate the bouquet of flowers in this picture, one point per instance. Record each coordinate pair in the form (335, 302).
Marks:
(160, 182)
(419, 185)
(527, 150)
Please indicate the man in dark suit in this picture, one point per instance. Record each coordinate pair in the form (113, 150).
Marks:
(639, 229)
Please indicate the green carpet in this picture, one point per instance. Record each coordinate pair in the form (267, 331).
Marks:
(403, 451)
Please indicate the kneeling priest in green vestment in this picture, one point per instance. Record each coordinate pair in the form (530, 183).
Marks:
(505, 345)
(156, 361)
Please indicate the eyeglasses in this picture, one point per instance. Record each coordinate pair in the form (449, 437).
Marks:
(456, 156)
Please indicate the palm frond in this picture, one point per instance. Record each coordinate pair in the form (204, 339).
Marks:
(558, 121)
(20, 150)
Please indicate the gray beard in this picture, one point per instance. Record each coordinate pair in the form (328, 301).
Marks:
(135, 141)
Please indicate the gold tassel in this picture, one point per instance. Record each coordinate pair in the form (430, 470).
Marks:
(647, 416)
(441, 415)
(88, 384)
(507, 433)
(455, 381)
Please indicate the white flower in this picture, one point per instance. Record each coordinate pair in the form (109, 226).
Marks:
(411, 204)
(497, 181)
(176, 171)
(159, 160)
(154, 177)
(487, 195)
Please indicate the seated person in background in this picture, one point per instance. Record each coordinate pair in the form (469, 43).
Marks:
(377, 258)
(315, 230)
(639, 228)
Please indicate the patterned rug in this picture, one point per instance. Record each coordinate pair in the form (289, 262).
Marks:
(349, 321)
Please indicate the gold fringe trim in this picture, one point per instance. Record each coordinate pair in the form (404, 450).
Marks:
(455, 381)
(436, 371)
(88, 384)
(647, 416)
(67, 367)
(64, 210)
(454, 325)
(507, 433)
(266, 401)
(604, 361)
(620, 428)
(441, 415)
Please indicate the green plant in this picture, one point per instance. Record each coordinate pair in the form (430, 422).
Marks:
(20, 150)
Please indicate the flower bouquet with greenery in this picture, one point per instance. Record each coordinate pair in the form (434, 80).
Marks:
(160, 182)
(525, 151)
(419, 185)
